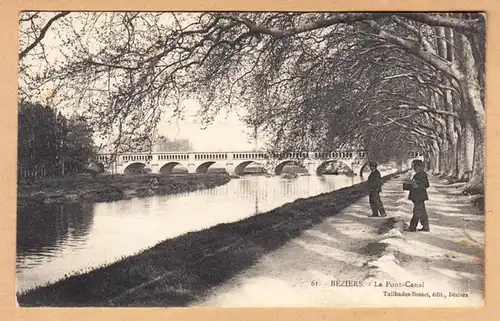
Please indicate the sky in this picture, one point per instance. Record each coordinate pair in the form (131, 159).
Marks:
(227, 133)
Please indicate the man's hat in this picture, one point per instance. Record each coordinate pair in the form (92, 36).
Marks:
(372, 164)
(417, 162)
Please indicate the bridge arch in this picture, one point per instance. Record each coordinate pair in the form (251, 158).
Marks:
(203, 168)
(99, 167)
(135, 168)
(323, 165)
(168, 168)
(279, 168)
(240, 168)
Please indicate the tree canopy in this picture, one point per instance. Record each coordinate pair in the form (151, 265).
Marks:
(389, 82)
(164, 144)
(50, 144)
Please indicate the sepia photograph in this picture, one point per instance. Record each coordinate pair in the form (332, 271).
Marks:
(250, 159)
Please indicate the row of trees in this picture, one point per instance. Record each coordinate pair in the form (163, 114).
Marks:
(50, 144)
(164, 144)
(145, 144)
(390, 82)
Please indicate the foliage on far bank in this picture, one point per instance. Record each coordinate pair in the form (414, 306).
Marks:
(165, 144)
(51, 144)
(107, 188)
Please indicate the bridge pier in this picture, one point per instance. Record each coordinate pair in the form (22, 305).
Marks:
(230, 169)
(191, 168)
(312, 167)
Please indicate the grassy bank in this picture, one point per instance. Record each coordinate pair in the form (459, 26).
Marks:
(180, 270)
(105, 188)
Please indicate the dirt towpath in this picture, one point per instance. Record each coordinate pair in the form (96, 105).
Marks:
(354, 260)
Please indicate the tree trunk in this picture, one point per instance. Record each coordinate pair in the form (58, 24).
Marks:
(452, 159)
(478, 43)
(433, 158)
(476, 183)
(470, 88)
(62, 166)
(445, 46)
(443, 157)
(437, 158)
(466, 152)
(451, 137)
(441, 142)
(469, 85)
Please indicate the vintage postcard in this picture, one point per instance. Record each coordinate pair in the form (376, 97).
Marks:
(251, 159)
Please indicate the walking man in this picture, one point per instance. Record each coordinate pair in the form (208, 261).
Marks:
(375, 187)
(418, 195)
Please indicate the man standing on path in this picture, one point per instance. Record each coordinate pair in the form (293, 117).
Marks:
(418, 195)
(375, 186)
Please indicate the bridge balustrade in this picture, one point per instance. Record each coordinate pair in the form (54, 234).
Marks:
(242, 156)
(133, 158)
(102, 158)
(237, 156)
(176, 157)
(216, 156)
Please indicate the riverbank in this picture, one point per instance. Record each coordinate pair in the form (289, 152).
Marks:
(354, 260)
(183, 269)
(107, 188)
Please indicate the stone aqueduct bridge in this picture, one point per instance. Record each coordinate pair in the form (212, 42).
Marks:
(233, 162)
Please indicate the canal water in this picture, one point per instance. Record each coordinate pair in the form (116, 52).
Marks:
(58, 240)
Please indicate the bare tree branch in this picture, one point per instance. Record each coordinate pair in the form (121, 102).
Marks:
(41, 35)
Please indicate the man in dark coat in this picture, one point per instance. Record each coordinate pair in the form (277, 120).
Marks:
(418, 195)
(375, 187)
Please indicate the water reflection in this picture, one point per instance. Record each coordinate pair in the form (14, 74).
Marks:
(43, 228)
(55, 240)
